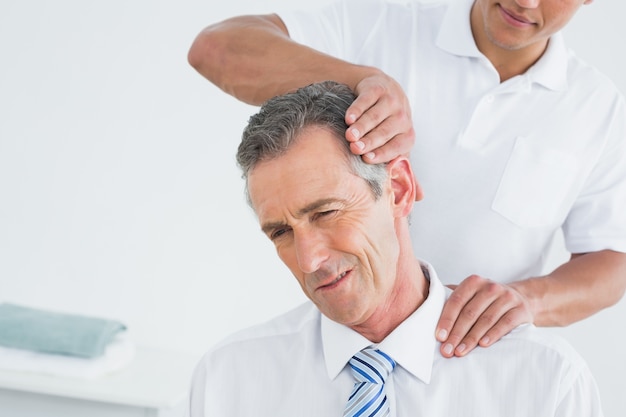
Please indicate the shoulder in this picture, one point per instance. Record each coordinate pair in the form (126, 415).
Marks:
(296, 326)
(586, 79)
(362, 31)
(259, 352)
(358, 13)
(541, 340)
(525, 355)
(540, 352)
(529, 368)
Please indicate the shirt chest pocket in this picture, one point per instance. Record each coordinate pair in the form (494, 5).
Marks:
(536, 186)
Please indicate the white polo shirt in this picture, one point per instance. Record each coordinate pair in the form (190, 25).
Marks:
(296, 365)
(505, 167)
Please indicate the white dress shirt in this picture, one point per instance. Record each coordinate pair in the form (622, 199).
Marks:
(505, 167)
(296, 365)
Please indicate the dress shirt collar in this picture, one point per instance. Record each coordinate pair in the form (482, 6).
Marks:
(412, 344)
(455, 36)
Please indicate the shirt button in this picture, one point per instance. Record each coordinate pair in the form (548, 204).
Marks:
(489, 98)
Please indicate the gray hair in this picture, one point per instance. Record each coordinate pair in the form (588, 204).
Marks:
(277, 126)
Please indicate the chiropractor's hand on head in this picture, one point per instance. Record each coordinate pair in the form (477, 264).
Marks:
(379, 120)
(479, 312)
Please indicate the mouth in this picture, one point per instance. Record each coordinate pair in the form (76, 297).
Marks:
(515, 19)
(335, 281)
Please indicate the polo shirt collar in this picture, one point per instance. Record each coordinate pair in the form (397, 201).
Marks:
(551, 69)
(455, 37)
(412, 344)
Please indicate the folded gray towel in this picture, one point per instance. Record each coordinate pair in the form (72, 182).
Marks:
(52, 332)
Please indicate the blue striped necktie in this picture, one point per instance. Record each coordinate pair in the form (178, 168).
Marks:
(370, 367)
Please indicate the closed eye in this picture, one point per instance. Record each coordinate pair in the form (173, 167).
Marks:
(322, 214)
(275, 234)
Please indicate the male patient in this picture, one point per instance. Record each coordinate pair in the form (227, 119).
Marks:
(365, 344)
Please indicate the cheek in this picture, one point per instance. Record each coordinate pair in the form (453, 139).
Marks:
(349, 237)
(373, 237)
(557, 18)
(287, 255)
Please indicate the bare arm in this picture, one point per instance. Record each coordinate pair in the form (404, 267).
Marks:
(253, 59)
(480, 311)
(577, 289)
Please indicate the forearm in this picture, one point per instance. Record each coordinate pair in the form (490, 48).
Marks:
(577, 289)
(253, 59)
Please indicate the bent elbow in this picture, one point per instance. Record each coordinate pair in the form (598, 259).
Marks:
(194, 57)
(216, 56)
(199, 55)
(619, 292)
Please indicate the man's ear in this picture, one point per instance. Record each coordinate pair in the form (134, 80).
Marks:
(405, 187)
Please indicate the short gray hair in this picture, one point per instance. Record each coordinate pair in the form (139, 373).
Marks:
(277, 126)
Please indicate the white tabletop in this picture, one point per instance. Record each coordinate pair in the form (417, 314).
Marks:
(155, 379)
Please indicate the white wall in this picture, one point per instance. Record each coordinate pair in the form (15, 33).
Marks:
(119, 195)
(596, 35)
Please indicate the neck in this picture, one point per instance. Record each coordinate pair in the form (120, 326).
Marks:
(508, 62)
(409, 292)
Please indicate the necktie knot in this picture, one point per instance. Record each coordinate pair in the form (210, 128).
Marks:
(371, 365)
(370, 368)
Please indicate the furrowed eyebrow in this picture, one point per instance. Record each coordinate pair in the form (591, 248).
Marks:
(270, 226)
(317, 204)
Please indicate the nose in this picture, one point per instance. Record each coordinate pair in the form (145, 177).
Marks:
(311, 250)
(528, 4)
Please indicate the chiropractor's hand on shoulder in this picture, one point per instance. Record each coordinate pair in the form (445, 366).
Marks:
(479, 312)
(379, 120)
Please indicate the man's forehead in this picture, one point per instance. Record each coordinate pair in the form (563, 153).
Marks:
(315, 151)
(300, 194)
(314, 168)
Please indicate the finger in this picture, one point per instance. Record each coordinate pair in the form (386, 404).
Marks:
(374, 123)
(400, 144)
(450, 313)
(511, 320)
(355, 113)
(386, 118)
(466, 320)
(381, 133)
(496, 312)
(464, 306)
(452, 308)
